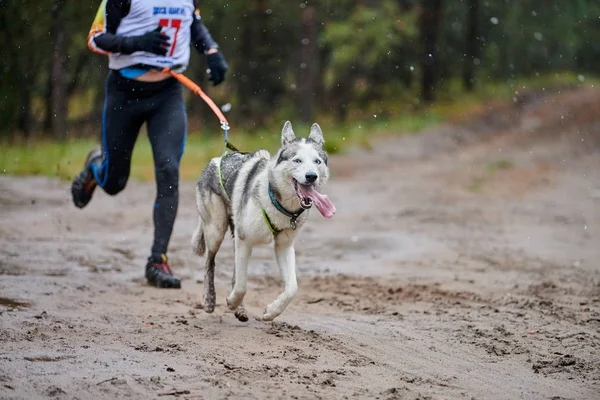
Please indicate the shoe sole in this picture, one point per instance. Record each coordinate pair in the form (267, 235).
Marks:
(168, 285)
(95, 152)
(75, 194)
(164, 284)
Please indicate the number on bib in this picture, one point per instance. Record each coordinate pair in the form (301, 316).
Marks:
(171, 23)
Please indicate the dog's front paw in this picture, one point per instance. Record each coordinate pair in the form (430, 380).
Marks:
(234, 300)
(271, 312)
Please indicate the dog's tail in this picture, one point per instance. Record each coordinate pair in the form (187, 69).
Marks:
(198, 242)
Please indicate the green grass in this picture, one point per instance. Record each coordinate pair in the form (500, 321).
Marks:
(64, 159)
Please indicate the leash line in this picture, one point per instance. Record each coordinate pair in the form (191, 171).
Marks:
(228, 146)
(198, 91)
(187, 82)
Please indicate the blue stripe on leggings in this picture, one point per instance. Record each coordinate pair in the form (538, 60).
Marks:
(184, 129)
(104, 166)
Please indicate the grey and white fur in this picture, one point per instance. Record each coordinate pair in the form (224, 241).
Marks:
(246, 177)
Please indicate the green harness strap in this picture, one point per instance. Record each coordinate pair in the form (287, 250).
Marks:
(226, 146)
(272, 227)
(221, 177)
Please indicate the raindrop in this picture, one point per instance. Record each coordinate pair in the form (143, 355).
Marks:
(412, 68)
(538, 36)
(581, 78)
(494, 20)
(226, 107)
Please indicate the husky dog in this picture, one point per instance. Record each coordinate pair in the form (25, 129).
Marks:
(261, 199)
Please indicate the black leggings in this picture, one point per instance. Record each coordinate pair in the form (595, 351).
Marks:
(128, 105)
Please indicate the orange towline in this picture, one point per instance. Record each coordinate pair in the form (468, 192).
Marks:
(196, 89)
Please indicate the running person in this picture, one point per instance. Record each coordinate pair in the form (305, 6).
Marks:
(140, 37)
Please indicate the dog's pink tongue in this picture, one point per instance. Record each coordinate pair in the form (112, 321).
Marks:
(321, 201)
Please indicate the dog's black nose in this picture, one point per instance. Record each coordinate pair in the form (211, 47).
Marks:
(311, 176)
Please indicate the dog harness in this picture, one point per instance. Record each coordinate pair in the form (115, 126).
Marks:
(272, 227)
(280, 208)
(293, 216)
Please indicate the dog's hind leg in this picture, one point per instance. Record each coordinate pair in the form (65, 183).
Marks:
(209, 283)
(214, 228)
(286, 258)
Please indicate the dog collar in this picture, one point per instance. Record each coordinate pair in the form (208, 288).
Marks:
(293, 216)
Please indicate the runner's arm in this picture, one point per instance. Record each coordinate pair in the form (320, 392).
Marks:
(201, 38)
(102, 37)
(204, 43)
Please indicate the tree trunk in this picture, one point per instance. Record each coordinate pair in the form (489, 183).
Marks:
(251, 85)
(58, 96)
(472, 46)
(430, 21)
(25, 123)
(308, 64)
(81, 63)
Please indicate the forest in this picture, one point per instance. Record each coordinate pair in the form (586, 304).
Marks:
(342, 60)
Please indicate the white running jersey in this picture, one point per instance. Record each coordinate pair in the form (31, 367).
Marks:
(175, 16)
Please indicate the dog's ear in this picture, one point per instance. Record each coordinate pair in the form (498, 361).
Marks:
(316, 134)
(287, 134)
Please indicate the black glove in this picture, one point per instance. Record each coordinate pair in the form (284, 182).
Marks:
(218, 67)
(152, 42)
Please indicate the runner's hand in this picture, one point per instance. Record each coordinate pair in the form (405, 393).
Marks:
(217, 66)
(152, 42)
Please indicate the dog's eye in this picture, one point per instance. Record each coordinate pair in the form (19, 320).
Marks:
(297, 160)
(317, 161)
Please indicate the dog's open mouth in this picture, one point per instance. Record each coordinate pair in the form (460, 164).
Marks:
(308, 195)
(306, 202)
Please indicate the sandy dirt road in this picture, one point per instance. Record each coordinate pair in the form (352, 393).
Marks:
(463, 263)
